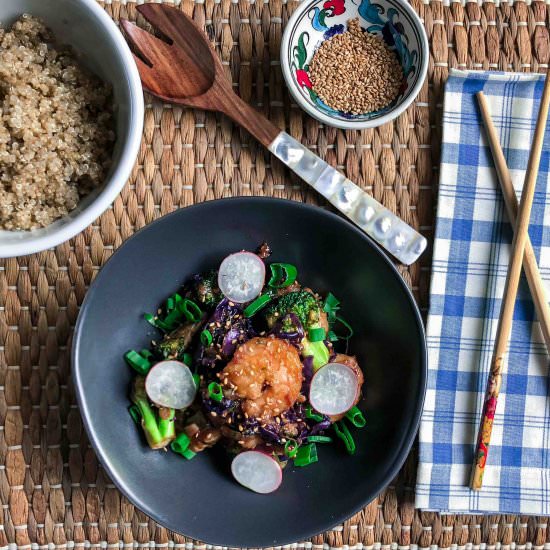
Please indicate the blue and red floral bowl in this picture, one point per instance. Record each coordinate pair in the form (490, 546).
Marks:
(317, 20)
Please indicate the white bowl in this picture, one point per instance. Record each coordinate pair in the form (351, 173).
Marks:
(317, 20)
(100, 47)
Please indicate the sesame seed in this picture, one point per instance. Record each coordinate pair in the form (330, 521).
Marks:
(355, 72)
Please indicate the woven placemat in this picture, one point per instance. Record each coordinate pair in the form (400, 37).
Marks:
(52, 490)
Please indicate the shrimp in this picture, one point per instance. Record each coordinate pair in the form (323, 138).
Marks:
(266, 373)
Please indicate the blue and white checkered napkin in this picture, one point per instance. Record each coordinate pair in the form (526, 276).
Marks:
(472, 247)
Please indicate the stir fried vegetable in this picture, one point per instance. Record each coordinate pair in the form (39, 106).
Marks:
(250, 363)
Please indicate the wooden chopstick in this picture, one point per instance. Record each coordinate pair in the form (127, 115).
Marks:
(530, 266)
(510, 293)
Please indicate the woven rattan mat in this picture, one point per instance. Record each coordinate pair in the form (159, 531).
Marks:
(52, 490)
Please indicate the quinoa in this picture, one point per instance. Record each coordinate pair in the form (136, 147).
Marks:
(56, 128)
(355, 72)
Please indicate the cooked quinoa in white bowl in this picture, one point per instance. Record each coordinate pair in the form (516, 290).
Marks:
(71, 118)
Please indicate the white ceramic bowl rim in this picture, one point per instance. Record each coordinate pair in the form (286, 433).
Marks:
(117, 178)
(399, 108)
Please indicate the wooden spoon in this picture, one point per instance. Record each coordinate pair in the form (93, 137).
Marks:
(181, 67)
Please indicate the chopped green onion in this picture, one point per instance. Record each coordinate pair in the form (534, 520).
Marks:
(306, 455)
(206, 337)
(332, 336)
(146, 353)
(139, 363)
(188, 359)
(316, 334)
(172, 302)
(173, 319)
(291, 448)
(313, 415)
(188, 454)
(135, 414)
(191, 310)
(156, 322)
(319, 439)
(197, 380)
(282, 275)
(355, 416)
(347, 326)
(181, 443)
(215, 391)
(331, 306)
(342, 431)
(256, 305)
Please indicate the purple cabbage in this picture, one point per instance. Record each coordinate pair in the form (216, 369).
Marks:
(231, 329)
(307, 371)
(294, 336)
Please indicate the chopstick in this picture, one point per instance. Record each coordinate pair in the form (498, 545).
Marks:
(510, 293)
(530, 266)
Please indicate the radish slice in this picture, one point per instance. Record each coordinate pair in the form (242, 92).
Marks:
(334, 389)
(257, 471)
(170, 384)
(241, 277)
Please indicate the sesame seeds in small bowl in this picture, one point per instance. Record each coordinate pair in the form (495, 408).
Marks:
(354, 64)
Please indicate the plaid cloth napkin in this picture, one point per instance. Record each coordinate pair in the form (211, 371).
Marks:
(471, 253)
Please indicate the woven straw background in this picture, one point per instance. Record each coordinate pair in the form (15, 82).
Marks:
(53, 492)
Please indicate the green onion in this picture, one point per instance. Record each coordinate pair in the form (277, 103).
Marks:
(156, 322)
(173, 319)
(215, 391)
(316, 334)
(342, 431)
(172, 302)
(139, 363)
(306, 455)
(355, 416)
(188, 359)
(206, 337)
(332, 336)
(197, 380)
(146, 353)
(313, 415)
(133, 410)
(191, 310)
(319, 439)
(282, 275)
(291, 448)
(181, 443)
(347, 326)
(331, 306)
(188, 454)
(256, 305)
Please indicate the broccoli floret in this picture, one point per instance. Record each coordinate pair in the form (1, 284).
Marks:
(308, 310)
(158, 432)
(300, 302)
(172, 348)
(206, 290)
(178, 341)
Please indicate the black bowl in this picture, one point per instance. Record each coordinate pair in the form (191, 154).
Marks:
(199, 497)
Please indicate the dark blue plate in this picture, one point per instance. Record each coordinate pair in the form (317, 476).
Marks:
(199, 497)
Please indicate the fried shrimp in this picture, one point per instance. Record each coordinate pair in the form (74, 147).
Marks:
(266, 373)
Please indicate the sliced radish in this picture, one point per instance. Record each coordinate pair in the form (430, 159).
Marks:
(257, 471)
(241, 277)
(170, 384)
(334, 389)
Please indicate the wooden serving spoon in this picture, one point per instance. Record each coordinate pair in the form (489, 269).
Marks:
(182, 67)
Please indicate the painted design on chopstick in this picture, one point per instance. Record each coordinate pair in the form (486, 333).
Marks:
(328, 19)
(487, 418)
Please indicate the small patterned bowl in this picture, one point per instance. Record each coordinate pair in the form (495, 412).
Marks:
(317, 20)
